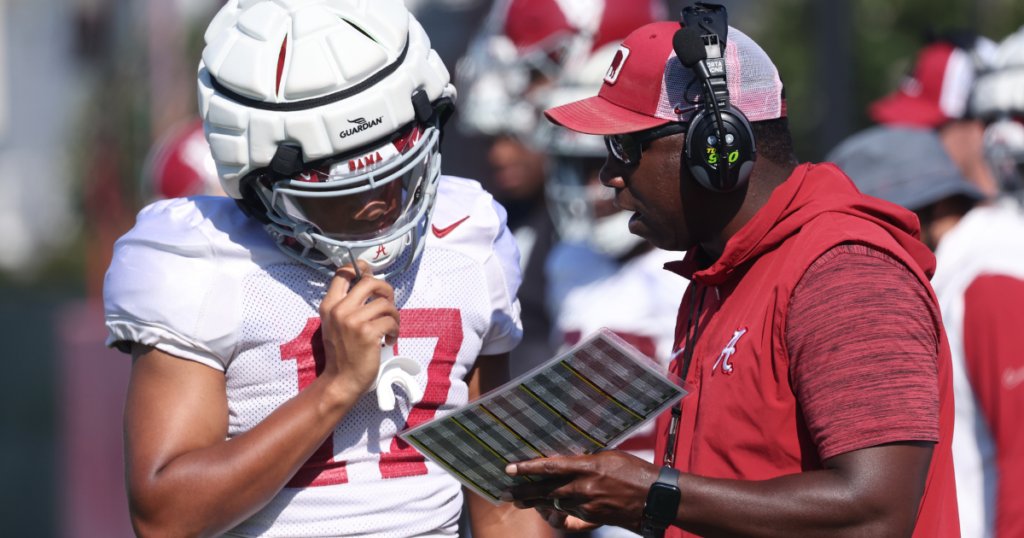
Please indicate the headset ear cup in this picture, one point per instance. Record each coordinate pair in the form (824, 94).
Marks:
(702, 126)
(695, 149)
(744, 166)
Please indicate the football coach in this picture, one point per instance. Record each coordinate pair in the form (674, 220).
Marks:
(822, 401)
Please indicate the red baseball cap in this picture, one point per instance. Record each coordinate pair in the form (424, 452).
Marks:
(646, 86)
(936, 93)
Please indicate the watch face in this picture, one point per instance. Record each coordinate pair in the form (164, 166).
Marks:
(662, 503)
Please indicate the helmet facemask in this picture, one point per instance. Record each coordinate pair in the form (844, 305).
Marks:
(371, 204)
(1004, 150)
(583, 210)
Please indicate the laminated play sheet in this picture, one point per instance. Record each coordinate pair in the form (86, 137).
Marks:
(587, 400)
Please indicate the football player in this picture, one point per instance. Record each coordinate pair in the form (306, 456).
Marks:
(527, 50)
(599, 274)
(257, 323)
(979, 281)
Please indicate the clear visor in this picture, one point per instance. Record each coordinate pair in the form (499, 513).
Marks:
(348, 217)
(346, 207)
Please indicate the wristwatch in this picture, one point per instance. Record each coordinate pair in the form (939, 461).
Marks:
(662, 503)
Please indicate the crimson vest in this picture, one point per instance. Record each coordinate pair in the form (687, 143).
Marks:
(743, 421)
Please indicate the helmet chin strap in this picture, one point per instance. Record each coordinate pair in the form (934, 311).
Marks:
(378, 257)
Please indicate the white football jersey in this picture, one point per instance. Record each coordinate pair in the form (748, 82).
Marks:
(989, 240)
(638, 300)
(199, 280)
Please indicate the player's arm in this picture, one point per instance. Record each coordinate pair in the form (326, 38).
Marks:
(185, 479)
(995, 366)
(487, 520)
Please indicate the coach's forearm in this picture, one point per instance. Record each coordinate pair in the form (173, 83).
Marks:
(844, 500)
(868, 492)
(206, 492)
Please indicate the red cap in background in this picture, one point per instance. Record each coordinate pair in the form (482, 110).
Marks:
(936, 93)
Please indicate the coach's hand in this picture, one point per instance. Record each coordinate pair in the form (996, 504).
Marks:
(353, 320)
(608, 488)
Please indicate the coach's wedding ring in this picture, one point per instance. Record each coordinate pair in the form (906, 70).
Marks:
(558, 506)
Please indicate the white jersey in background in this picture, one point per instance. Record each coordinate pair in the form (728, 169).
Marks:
(987, 241)
(638, 300)
(197, 279)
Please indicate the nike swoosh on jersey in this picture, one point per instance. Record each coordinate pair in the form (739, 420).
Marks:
(442, 233)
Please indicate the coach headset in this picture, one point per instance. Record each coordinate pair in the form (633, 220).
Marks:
(717, 129)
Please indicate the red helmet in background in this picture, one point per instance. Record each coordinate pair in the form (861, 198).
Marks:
(537, 54)
(529, 45)
(180, 164)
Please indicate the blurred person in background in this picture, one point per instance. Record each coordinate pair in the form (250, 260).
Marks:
(260, 324)
(599, 274)
(525, 48)
(180, 164)
(935, 96)
(980, 284)
(909, 167)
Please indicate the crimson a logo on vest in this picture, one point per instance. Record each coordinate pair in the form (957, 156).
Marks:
(361, 125)
(728, 352)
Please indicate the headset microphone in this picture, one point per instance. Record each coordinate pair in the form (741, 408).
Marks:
(720, 148)
(690, 49)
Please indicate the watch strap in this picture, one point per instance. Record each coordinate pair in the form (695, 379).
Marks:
(667, 477)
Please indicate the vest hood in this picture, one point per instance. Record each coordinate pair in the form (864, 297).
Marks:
(810, 192)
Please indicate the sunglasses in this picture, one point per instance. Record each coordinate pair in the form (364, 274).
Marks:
(628, 148)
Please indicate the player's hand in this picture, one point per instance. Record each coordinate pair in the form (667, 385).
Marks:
(608, 488)
(353, 322)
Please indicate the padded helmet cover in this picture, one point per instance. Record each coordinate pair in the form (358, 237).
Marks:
(285, 63)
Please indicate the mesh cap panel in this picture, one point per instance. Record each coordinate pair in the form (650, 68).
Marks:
(754, 84)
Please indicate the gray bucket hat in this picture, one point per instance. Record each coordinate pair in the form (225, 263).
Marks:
(905, 166)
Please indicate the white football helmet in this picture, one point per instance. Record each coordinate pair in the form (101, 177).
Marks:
(998, 99)
(324, 118)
